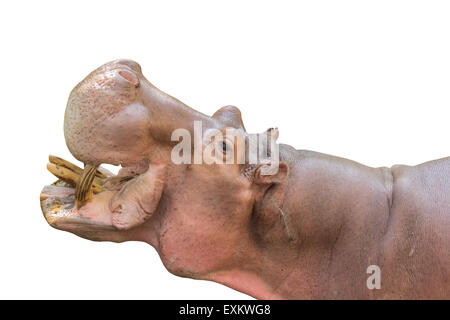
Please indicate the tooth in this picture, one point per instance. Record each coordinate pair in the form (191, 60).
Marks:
(71, 177)
(103, 173)
(83, 190)
(100, 173)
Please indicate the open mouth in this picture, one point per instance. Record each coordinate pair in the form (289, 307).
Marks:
(93, 199)
(79, 196)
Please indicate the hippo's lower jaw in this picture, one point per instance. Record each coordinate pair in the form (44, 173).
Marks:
(58, 206)
(116, 202)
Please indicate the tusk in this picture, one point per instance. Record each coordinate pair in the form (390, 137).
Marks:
(100, 173)
(72, 177)
(83, 190)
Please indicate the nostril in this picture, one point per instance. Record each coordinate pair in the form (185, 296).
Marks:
(130, 77)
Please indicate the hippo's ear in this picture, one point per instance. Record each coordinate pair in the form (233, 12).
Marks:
(230, 116)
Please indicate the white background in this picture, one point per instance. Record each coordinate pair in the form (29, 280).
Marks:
(366, 80)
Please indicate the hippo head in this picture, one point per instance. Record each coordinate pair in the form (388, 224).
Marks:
(206, 202)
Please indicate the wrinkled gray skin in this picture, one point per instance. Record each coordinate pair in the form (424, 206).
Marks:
(308, 232)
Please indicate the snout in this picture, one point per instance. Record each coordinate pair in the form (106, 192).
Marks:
(104, 115)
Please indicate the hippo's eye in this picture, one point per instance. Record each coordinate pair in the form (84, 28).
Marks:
(224, 147)
(227, 146)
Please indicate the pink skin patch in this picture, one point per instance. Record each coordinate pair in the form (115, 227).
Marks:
(130, 77)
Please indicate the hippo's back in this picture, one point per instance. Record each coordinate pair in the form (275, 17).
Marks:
(416, 255)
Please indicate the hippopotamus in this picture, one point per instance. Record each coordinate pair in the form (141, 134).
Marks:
(316, 227)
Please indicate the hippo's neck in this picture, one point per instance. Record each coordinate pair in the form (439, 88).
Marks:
(337, 211)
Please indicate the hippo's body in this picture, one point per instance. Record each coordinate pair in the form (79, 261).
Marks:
(316, 227)
(396, 218)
